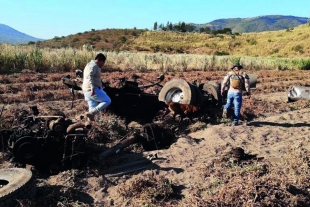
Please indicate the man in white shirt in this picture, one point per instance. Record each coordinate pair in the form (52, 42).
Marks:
(95, 96)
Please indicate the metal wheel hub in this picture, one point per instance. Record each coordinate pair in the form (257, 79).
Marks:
(177, 96)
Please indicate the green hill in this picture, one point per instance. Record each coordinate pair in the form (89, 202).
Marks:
(256, 24)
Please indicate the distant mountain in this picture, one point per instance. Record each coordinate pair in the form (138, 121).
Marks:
(255, 24)
(10, 35)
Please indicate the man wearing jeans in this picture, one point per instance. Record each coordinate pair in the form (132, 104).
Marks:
(96, 98)
(238, 81)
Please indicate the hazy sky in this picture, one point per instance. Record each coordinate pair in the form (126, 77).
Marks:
(49, 18)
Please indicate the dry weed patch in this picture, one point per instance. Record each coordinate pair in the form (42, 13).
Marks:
(108, 128)
(148, 189)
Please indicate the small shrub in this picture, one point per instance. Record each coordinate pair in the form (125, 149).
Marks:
(276, 50)
(180, 50)
(221, 36)
(134, 33)
(252, 41)
(76, 39)
(236, 44)
(56, 38)
(123, 39)
(141, 48)
(298, 48)
(94, 38)
(155, 48)
(220, 53)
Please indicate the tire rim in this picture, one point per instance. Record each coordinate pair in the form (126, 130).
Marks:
(175, 95)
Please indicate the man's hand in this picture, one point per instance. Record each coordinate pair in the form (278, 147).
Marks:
(222, 92)
(92, 92)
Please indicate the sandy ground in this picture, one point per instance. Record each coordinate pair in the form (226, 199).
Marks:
(267, 137)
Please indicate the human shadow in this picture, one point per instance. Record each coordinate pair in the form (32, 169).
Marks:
(175, 169)
(131, 163)
(264, 123)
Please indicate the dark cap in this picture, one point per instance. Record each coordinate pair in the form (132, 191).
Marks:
(237, 65)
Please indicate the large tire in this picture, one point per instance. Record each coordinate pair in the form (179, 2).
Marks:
(178, 90)
(18, 184)
(25, 150)
(199, 97)
(214, 89)
(253, 81)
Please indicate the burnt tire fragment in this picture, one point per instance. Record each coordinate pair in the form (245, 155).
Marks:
(17, 183)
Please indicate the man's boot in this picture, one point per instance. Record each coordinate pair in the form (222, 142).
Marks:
(90, 116)
(224, 115)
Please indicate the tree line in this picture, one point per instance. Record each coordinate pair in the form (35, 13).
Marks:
(183, 27)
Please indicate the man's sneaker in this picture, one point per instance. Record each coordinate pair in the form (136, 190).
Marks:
(90, 116)
(224, 115)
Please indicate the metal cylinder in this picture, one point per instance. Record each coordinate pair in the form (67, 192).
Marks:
(72, 127)
(57, 125)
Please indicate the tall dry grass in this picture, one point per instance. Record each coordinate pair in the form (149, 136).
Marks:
(17, 58)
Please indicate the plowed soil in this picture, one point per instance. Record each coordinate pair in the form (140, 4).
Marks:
(197, 166)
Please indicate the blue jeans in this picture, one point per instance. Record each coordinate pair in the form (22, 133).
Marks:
(235, 98)
(97, 102)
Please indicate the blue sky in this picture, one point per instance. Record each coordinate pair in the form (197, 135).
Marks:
(49, 18)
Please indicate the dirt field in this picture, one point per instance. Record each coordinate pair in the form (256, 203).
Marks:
(196, 170)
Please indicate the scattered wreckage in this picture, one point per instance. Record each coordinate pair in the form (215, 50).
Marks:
(130, 100)
(296, 93)
(55, 142)
(45, 141)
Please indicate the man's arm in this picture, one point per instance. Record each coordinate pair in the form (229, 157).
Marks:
(225, 81)
(92, 72)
